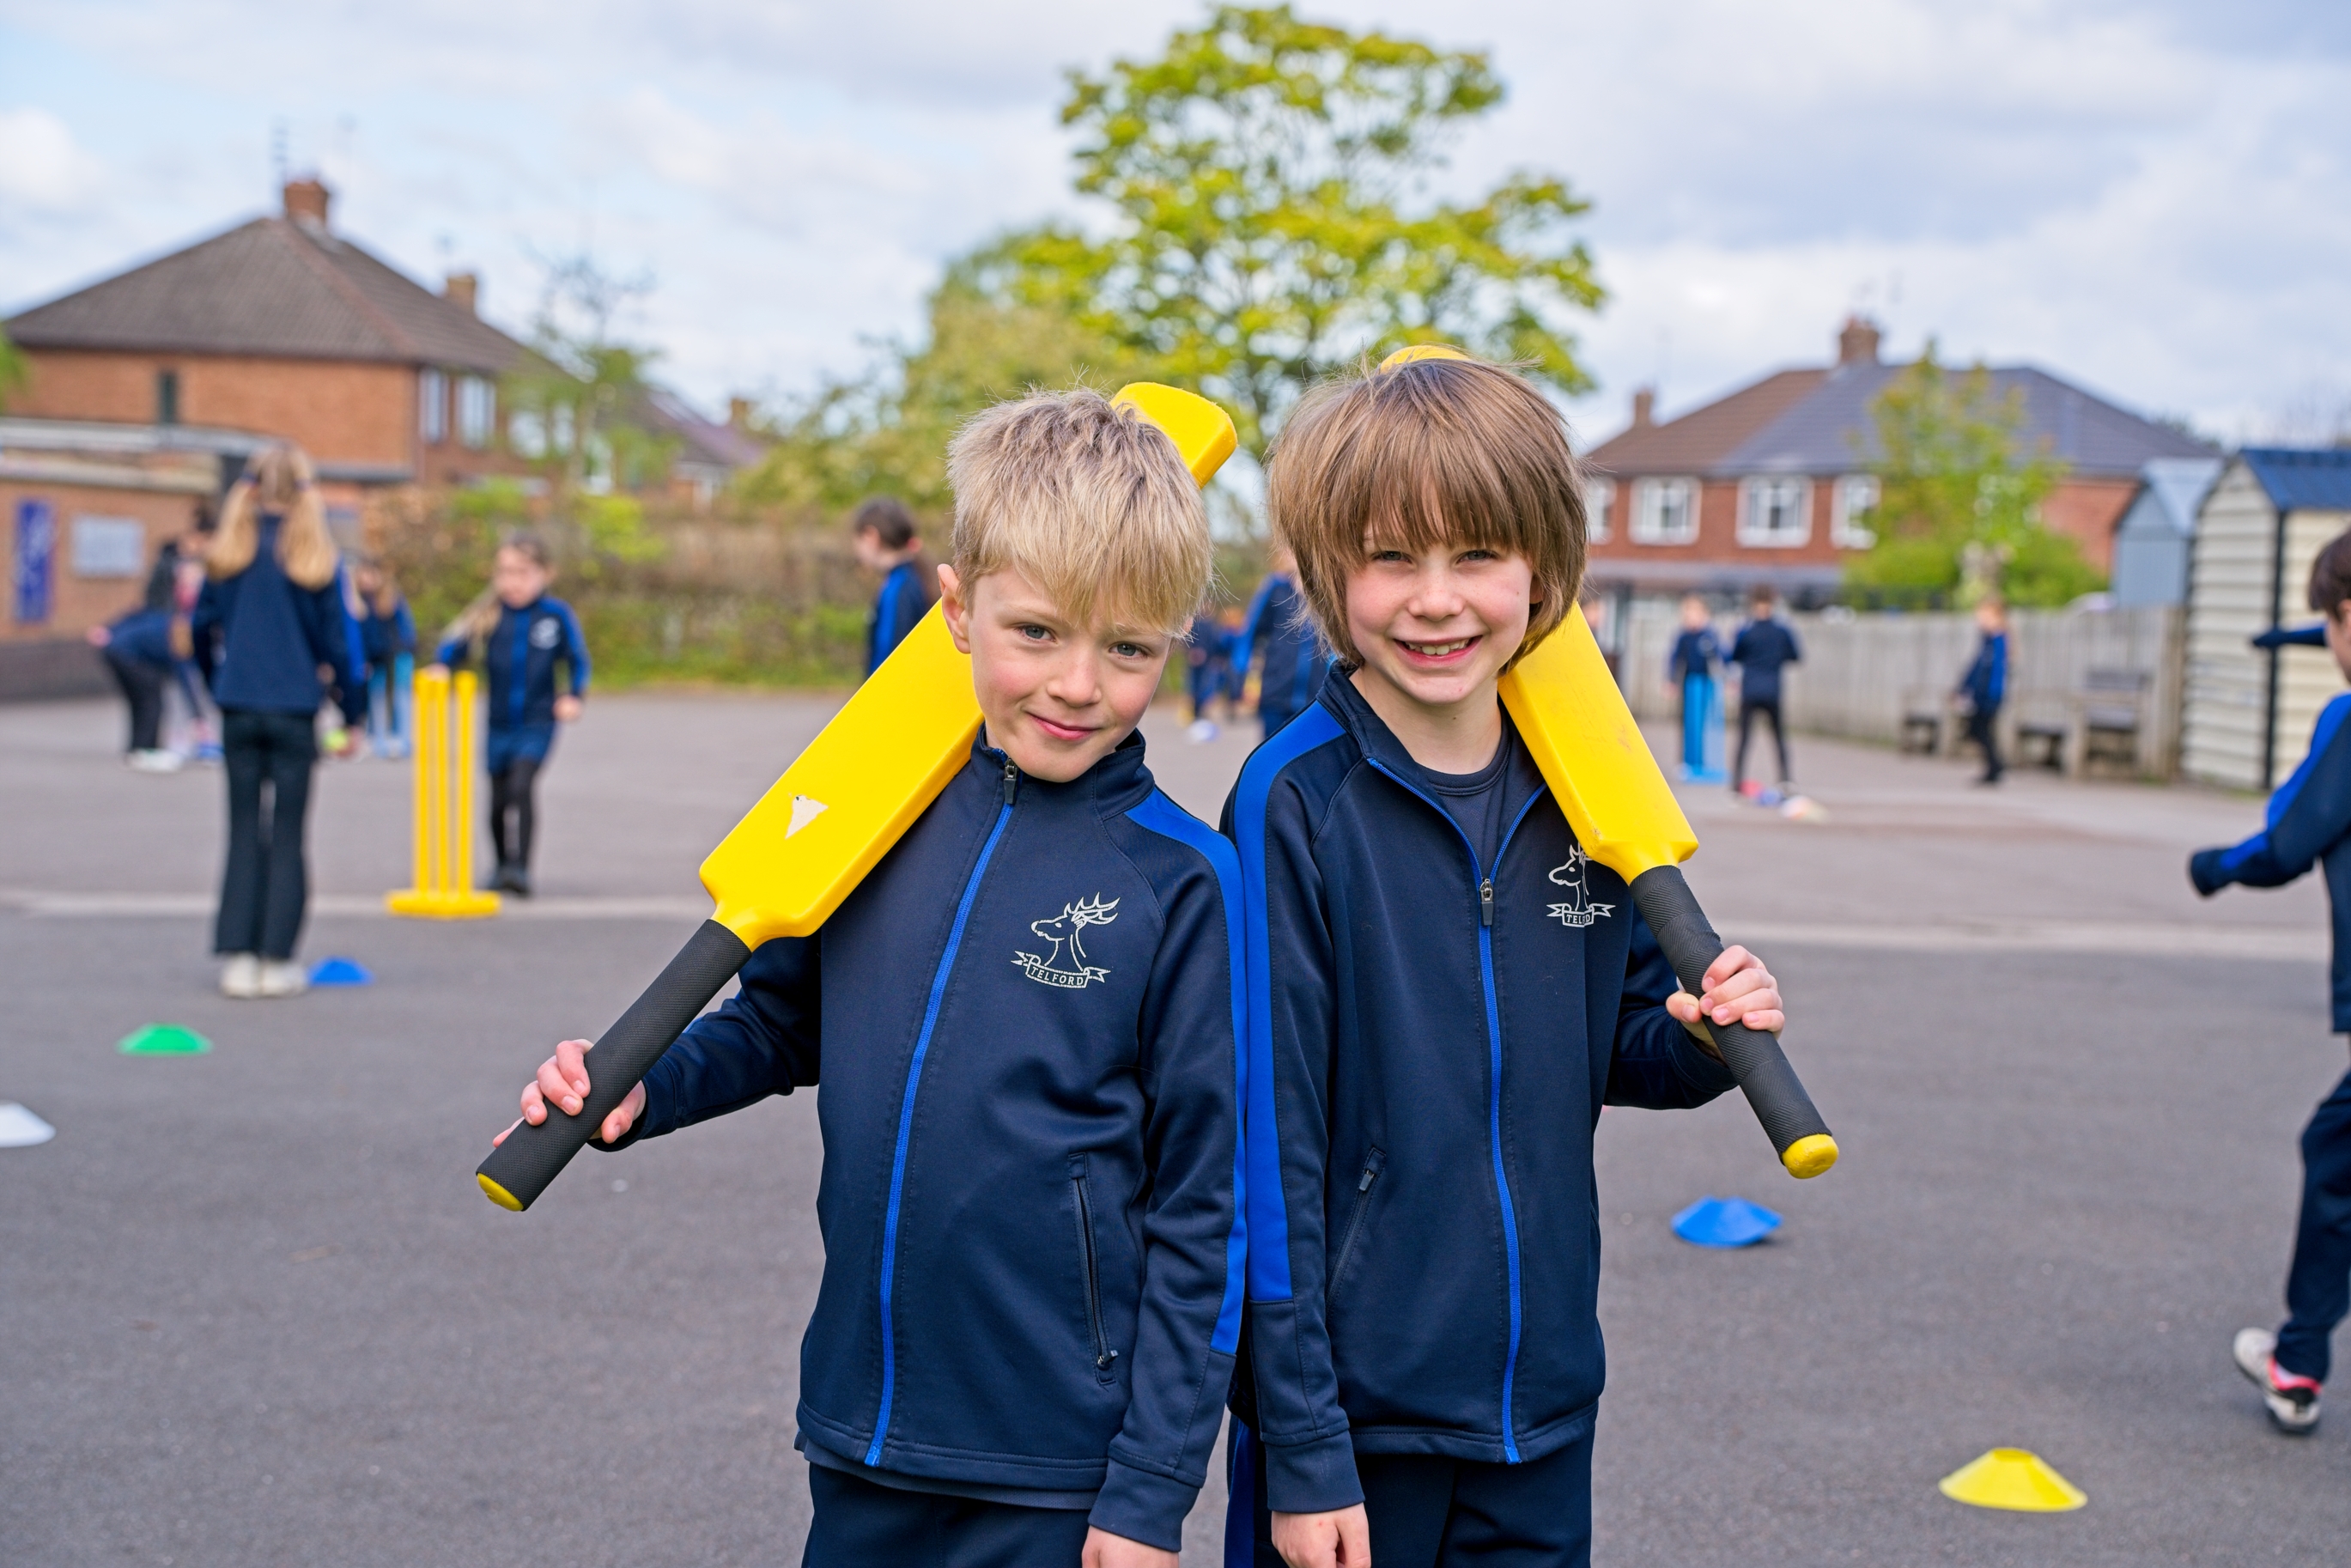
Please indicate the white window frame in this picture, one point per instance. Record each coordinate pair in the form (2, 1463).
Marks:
(1855, 497)
(478, 410)
(432, 407)
(1785, 497)
(1599, 502)
(1653, 504)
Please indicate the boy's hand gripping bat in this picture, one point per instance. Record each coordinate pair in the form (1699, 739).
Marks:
(791, 860)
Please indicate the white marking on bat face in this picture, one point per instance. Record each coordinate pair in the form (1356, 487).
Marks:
(804, 811)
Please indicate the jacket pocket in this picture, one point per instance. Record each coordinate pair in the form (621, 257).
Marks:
(1083, 1206)
(1373, 1162)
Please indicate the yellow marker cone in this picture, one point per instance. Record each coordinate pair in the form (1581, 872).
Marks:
(2012, 1478)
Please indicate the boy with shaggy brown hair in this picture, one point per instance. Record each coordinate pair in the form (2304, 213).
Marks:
(1444, 990)
(1032, 1252)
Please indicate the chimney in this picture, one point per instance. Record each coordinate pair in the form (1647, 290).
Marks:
(464, 288)
(1644, 407)
(1857, 343)
(738, 413)
(305, 203)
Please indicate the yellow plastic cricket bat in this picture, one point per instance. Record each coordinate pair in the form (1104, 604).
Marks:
(836, 812)
(1572, 717)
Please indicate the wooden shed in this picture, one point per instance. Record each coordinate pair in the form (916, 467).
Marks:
(2248, 713)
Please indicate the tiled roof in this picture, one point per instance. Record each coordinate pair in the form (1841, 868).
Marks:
(2315, 479)
(1697, 441)
(274, 288)
(701, 441)
(1819, 421)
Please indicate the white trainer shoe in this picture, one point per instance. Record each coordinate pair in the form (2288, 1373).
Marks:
(2293, 1401)
(282, 977)
(241, 976)
(154, 761)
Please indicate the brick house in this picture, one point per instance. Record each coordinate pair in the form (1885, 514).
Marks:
(1771, 484)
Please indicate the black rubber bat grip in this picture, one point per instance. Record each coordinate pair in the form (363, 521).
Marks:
(519, 1170)
(1753, 1057)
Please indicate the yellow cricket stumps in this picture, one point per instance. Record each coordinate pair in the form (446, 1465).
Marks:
(815, 832)
(444, 726)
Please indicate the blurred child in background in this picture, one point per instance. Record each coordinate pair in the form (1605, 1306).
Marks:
(883, 532)
(1763, 647)
(1207, 663)
(388, 642)
(1985, 683)
(1277, 630)
(269, 619)
(137, 648)
(522, 634)
(1698, 654)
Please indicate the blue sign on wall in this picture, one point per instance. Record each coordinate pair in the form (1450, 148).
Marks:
(37, 555)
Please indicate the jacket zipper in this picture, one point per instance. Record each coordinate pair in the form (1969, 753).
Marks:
(1494, 1074)
(1080, 1188)
(1373, 1162)
(906, 1114)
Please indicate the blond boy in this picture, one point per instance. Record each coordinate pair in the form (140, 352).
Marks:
(1025, 1019)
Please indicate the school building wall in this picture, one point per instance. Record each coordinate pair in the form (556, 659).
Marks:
(2239, 587)
(345, 414)
(47, 657)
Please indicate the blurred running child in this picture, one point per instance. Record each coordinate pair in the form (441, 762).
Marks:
(883, 532)
(521, 633)
(1033, 1262)
(1207, 668)
(1763, 646)
(1985, 683)
(1434, 962)
(1697, 654)
(268, 620)
(1278, 630)
(388, 642)
(2309, 823)
(137, 651)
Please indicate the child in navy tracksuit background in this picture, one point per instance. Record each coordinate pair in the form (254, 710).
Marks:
(1278, 630)
(883, 532)
(1763, 647)
(388, 642)
(1443, 993)
(1025, 1025)
(2309, 823)
(522, 634)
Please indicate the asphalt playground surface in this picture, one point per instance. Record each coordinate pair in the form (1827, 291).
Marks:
(253, 1309)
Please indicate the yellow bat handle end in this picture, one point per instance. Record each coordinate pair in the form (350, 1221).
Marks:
(1808, 1157)
(506, 1200)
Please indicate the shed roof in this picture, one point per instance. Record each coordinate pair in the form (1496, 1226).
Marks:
(1820, 421)
(275, 289)
(2303, 479)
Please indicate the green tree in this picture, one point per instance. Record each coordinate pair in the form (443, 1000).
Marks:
(1958, 509)
(1268, 182)
(574, 401)
(14, 369)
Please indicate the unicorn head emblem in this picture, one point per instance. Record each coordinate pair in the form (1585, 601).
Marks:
(1066, 965)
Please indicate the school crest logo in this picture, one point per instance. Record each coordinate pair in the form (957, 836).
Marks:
(1579, 911)
(545, 632)
(1066, 965)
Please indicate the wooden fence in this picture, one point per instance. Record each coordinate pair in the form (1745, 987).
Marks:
(2091, 686)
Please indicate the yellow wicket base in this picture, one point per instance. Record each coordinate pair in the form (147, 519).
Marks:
(444, 888)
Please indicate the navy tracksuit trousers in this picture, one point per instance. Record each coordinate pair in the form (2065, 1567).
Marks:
(1431, 1510)
(2318, 1287)
(861, 1525)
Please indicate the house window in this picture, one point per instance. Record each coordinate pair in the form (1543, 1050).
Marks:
(167, 397)
(477, 410)
(1665, 512)
(1775, 514)
(1599, 501)
(432, 407)
(1850, 506)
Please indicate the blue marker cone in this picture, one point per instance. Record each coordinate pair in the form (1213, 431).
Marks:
(340, 972)
(1724, 1222)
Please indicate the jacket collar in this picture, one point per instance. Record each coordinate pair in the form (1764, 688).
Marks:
(1380, 746)
(1116, 784)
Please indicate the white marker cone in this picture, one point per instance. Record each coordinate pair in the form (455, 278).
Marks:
(20, 1129)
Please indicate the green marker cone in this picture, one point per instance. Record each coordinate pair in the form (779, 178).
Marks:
(164, 1039)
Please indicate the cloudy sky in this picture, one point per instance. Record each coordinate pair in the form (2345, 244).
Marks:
(2153, 199)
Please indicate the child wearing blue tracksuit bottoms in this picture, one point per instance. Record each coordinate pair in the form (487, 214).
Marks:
(1444, 991)
(1033, 1251)
(522, 633)
(2309, 823)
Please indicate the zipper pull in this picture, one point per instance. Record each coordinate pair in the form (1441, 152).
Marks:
(1486, 901)
(1366, 1184)
(1012, 780)
(1102, 1362)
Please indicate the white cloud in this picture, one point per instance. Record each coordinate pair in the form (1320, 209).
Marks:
(42, 166)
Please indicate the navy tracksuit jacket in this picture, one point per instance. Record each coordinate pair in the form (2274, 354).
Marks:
(260, 639)
(2308, 822)
(1760, 650)
(898, 608)
(1430, 1042)
(1277, 630)
(1025, 1018)
(519, 660)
